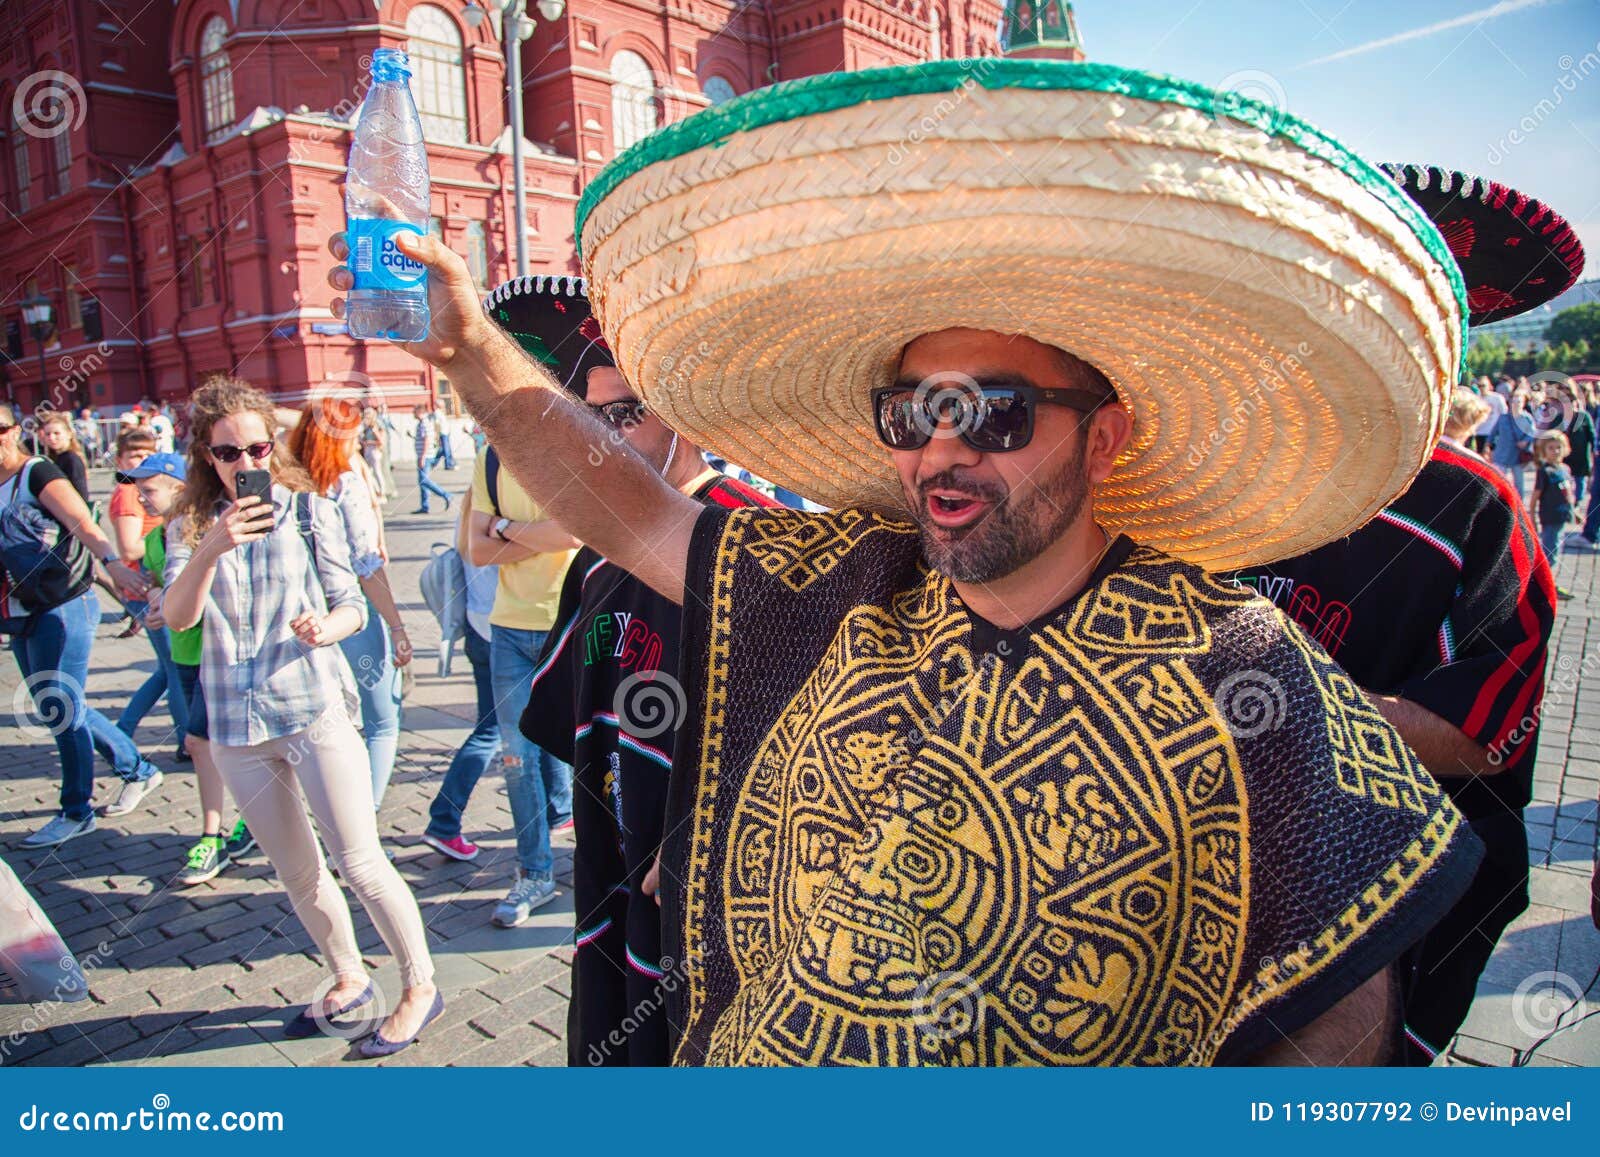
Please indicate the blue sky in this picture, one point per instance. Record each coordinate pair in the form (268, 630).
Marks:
(1456, 83)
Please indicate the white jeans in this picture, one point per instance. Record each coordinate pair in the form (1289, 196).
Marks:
(328, 762)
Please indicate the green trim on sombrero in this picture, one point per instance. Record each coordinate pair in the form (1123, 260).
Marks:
(791, 99)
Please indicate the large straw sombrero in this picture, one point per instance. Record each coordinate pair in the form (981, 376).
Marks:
(1514, 251)
(1284, 323)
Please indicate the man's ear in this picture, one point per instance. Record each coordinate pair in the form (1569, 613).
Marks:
(1110, 431)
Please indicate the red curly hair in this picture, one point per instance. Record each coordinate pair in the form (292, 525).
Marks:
(324, 438)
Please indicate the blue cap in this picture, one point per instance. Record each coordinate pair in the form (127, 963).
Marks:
(170, 465)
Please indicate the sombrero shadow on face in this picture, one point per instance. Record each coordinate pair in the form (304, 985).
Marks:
(1284, 323)
(549, 318)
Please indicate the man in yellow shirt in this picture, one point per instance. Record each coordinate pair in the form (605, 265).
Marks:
(510, 531)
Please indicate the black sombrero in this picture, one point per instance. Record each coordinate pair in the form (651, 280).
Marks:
(549, 318)
(1515, 252)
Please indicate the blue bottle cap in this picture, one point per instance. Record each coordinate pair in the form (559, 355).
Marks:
(390, 64)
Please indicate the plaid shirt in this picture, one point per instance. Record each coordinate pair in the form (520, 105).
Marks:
(260, 681)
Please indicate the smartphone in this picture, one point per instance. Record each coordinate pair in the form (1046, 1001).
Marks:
(254, 483)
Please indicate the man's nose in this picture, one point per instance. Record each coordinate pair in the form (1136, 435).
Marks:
(946, 449)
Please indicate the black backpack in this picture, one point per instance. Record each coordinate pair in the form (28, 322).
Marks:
(42, 565)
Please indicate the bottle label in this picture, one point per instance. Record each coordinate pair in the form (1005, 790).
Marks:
(375, 261)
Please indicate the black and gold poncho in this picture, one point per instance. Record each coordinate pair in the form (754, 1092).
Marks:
(1157, 826)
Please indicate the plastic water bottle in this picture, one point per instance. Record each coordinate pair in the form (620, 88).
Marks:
(386, 193)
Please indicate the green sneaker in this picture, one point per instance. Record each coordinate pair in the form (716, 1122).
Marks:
(241, 841)
(206, 859)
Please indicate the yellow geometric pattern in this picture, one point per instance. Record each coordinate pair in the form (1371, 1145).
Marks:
(938, 858)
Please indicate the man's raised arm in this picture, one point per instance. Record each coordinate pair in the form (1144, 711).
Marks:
(568, 461)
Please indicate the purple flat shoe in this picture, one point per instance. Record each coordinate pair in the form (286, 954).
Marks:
(376, 1046)
(305, 1024)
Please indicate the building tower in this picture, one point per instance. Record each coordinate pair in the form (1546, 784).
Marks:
(1040, 30)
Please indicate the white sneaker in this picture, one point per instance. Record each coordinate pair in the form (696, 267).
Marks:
(528, 893)
(133, 793)
(59, 831)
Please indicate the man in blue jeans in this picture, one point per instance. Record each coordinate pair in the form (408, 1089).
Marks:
(474, 755)
(507, 529)
(425, 485)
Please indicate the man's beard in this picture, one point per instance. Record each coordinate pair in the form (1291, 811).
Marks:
(1011, 534)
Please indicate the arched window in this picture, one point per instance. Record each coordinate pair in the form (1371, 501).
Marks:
(438, 79)
(216, 79)
(634, 111)
(717, 90)
(21, 171)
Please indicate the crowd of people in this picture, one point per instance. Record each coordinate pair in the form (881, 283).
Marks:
(1016, 743)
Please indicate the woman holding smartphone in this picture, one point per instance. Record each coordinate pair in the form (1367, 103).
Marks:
(272, 581)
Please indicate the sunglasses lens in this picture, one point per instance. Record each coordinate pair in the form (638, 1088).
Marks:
(1006, 422)
(226, 453)
(122, 479)
(259, 450)
(897, 421)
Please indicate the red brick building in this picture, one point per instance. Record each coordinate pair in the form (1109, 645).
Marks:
(172, 171)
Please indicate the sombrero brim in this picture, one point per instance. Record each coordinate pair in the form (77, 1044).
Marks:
(1515, 252)
(549, 317)
(1284, 324)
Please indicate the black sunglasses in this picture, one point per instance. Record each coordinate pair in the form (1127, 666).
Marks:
(257, 450)
(990, 419)
(122, 479)
(619, 414)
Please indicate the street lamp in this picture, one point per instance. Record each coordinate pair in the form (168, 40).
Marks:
(517, 26)
(39, 315)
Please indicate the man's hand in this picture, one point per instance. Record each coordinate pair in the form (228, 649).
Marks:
(132, 582)
(456, 317)
(652, 880)
(152, 614)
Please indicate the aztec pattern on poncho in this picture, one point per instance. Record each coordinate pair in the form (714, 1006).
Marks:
(1156, 826)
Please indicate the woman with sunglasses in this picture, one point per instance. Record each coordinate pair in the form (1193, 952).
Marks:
(52, 646)
(274, 585)
(326, 441)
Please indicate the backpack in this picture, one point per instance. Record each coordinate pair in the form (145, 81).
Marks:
(491, 478)
(444, 590)
(42, 566)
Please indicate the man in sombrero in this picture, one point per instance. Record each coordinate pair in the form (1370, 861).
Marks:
(982, 766)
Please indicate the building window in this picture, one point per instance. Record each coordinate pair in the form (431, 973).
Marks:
(216, 79)
(438, 79)
(61, 146)
(478, 253)
(718, 90)
(21, 171)
(635, 113)
(436, 229)
(199, 281)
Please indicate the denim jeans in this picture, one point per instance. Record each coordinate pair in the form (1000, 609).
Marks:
(54, 660)
(163, 680)
(378, 683)
(475, 755)
(538, 784)
(1550, 537)
(427, 486)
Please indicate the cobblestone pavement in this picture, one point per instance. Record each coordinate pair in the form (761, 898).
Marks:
(208, 975)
